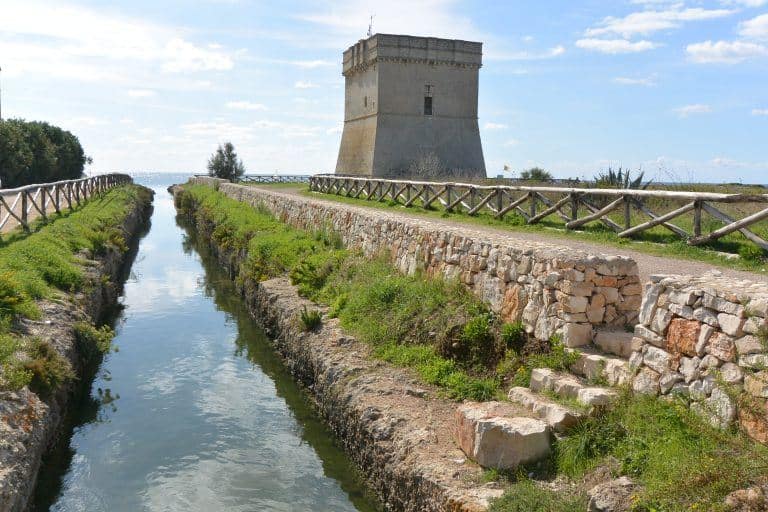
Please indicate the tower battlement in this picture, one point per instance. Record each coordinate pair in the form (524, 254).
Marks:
(410, 108)
(428, 50)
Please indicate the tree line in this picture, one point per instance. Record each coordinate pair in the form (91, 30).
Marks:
(38, 152)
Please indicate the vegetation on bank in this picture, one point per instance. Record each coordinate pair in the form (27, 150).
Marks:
(438, 328)
(42, 265)
(451, 340)
(37, 152)
(657, 241)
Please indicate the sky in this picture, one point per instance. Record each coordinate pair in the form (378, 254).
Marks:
(677, 89)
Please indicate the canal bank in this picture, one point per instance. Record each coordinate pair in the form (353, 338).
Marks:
(195, 412)
(397, 429)
(31, 421)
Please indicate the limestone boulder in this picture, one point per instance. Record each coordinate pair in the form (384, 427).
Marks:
(612, 496)
(496, 440)
(682, 336)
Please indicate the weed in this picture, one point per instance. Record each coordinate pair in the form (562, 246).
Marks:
(13, 375)
(513, 335)
(752, 253)
(310, 320)
(48, 369)
(93, 340)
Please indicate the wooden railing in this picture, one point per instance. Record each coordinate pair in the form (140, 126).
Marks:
(20, 206)
(575, 206)
(274, 178)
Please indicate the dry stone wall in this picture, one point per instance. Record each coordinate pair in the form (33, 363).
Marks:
(706, 338)
(551, 289)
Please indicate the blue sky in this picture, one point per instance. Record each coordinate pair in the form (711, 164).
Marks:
(676, 88)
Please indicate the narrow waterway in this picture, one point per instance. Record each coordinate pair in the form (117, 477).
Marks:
(194, 412)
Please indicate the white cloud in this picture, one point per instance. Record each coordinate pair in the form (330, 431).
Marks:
(725, 52)
(245, 105)
(745, 3)
(645, 82)
(760, 112)
(301, 84)
(181, 56)
(650, 21)
(756, 28)
(141, 93)
(494, 126)
(310, 64)
(615, 46)
(69, 41)
(689, 110)
(511, 143)
(550, 53)
(434, 17)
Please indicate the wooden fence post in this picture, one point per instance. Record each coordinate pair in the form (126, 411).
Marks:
(24, 220)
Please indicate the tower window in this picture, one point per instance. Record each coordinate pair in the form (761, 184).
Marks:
(427, 105)
(365, 101)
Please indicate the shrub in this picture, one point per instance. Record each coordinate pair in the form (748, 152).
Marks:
(13, 374)
(93, 340)
(49, 370)
(513, 335)
(536, 174)
(750, 252)
(310, 320)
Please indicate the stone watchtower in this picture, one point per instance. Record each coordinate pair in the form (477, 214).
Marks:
(410, 108)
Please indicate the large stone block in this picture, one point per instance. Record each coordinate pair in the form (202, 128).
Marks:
(501, 442)
(576, 334)
(682, 336)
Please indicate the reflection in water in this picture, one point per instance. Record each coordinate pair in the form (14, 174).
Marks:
(195, 412)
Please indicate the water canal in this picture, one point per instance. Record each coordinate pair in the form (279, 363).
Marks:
(194, 412)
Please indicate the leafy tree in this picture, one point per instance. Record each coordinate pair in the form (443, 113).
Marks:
(536, 174)
(225, 164)
(37, 152)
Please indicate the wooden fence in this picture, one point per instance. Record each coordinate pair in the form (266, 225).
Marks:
(274, 178)
(20, 206)
(575, 206)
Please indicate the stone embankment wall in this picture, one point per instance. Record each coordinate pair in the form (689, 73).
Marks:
(706, 338)
(551, 289)
(29, 424)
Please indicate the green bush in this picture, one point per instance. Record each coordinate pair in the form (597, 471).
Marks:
(13, 374)
(48, 369)
(310, 320)
(513, 335)
(93, 340)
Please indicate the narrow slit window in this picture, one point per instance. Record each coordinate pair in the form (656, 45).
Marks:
(365, 101)
(428, 90)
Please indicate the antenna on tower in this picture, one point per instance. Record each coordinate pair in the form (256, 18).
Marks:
(370, 27)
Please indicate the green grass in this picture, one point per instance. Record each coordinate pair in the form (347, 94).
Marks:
(437, 328)
(46, 262)
(657, 241)
(449, 339)
(527, 496)
(310, 320)
(682, 462)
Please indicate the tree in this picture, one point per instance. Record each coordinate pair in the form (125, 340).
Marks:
(37, 152)
(536, 174)
(225, 164)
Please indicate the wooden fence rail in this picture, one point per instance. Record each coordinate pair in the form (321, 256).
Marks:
(575, 206)
(274, 178)
(20, 206)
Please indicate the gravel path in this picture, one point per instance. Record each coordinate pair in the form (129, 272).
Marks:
(647, 263)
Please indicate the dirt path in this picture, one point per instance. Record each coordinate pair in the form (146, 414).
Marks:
(647, 263)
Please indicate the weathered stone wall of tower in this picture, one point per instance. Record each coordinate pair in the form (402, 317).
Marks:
(386, 129)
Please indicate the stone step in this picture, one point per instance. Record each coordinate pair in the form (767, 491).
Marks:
(618, 343)
(594, 365)
(570, 386)
(490, 434)
(559, 417)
